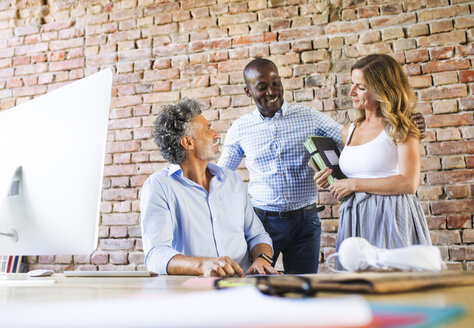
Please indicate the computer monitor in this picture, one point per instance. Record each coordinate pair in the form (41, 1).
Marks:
(51, 169)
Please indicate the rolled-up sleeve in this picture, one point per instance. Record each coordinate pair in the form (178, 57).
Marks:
(157, 227)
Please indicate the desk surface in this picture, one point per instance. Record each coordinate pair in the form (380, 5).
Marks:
(76, 289)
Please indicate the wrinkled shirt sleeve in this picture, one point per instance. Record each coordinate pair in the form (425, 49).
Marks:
(157, 227)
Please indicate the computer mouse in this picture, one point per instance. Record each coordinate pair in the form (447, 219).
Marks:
(40, 273)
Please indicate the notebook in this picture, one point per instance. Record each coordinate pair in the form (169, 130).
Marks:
(324, 153)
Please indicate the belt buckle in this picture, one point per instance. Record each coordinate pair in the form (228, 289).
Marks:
(283, 215)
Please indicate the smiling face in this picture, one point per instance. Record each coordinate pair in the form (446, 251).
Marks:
(206, 139)
(362, 98)
(263, 84)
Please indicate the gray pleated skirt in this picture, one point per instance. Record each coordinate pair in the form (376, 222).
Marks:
(384, 221)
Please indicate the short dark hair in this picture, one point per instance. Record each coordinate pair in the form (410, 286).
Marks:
(257, 62)
(171, 125)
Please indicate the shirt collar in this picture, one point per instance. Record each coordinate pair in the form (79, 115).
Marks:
(283, 111)
(214, 169)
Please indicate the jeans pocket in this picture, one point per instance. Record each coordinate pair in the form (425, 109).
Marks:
(313, 219)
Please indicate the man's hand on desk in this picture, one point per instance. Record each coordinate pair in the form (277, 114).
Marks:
(261, 266)
(220, 266)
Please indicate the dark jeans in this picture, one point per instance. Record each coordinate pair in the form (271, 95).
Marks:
(298, 238)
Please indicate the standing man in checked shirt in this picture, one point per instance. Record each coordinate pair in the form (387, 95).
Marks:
(281, 184)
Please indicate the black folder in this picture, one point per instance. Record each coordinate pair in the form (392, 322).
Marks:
(324, 153)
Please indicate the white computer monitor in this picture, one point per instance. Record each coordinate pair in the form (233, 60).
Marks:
(52, 153)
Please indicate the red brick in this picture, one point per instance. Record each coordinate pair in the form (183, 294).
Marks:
(57, 55)
(449, 177)
(442, 39)
(226, 20)
(56, 26)
(137, 180)
(199, 70)
(123, 146)
(368, 11)
(450, 77)
(466, 76)
(465, 50)
(441, 53)
(459, 191)
(418, 55)
(468, 236)
(437, 13)
(447, 65)
(451, 91)
(66, 64)
(232, 65)
(466, 103)
(461, 253)
(218, 56)
(162, 74)
(249, 39)
(464, 22)
(420, 81)
(436, 222)
(429, 192)
(441, 26)
(329, 225)
(346, 27)
(15, 83)
(412, 69)
(118, 258)
(21, 60)
(99, 258)
(29, 91)
(201, 92)
(125, 101)
(459, 221)
(26, 30)
(116, 244)
(450, 147)
(445, 237)
(136, 257)
(120, 219)
(470, 162)
(396, 20)
(437, 121)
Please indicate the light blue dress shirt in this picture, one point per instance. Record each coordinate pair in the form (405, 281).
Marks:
(178, 216)
(280, 179)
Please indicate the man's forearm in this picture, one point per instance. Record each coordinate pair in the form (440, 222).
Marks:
(204, 266)
(261, 248)
(184, 265)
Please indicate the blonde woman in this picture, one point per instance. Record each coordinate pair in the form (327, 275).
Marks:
(381, 159)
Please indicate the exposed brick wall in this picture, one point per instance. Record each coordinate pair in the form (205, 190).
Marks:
(162, 51)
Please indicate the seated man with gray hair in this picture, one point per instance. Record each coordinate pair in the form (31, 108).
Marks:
(196, 217)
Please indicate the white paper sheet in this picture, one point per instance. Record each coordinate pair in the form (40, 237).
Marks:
(233, 307)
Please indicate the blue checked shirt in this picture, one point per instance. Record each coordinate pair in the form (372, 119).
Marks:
(280, 179)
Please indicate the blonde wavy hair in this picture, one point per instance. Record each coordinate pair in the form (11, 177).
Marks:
(386, 80)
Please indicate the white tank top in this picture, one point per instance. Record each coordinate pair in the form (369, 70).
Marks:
(377, 158)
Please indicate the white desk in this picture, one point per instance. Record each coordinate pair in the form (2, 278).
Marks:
(69, 290)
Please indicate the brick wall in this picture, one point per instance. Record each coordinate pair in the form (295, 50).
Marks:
(162, 51)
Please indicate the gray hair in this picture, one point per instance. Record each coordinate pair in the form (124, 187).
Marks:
(171, 125)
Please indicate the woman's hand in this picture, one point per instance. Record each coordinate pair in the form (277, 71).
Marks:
(321, 178)
(341, 188)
